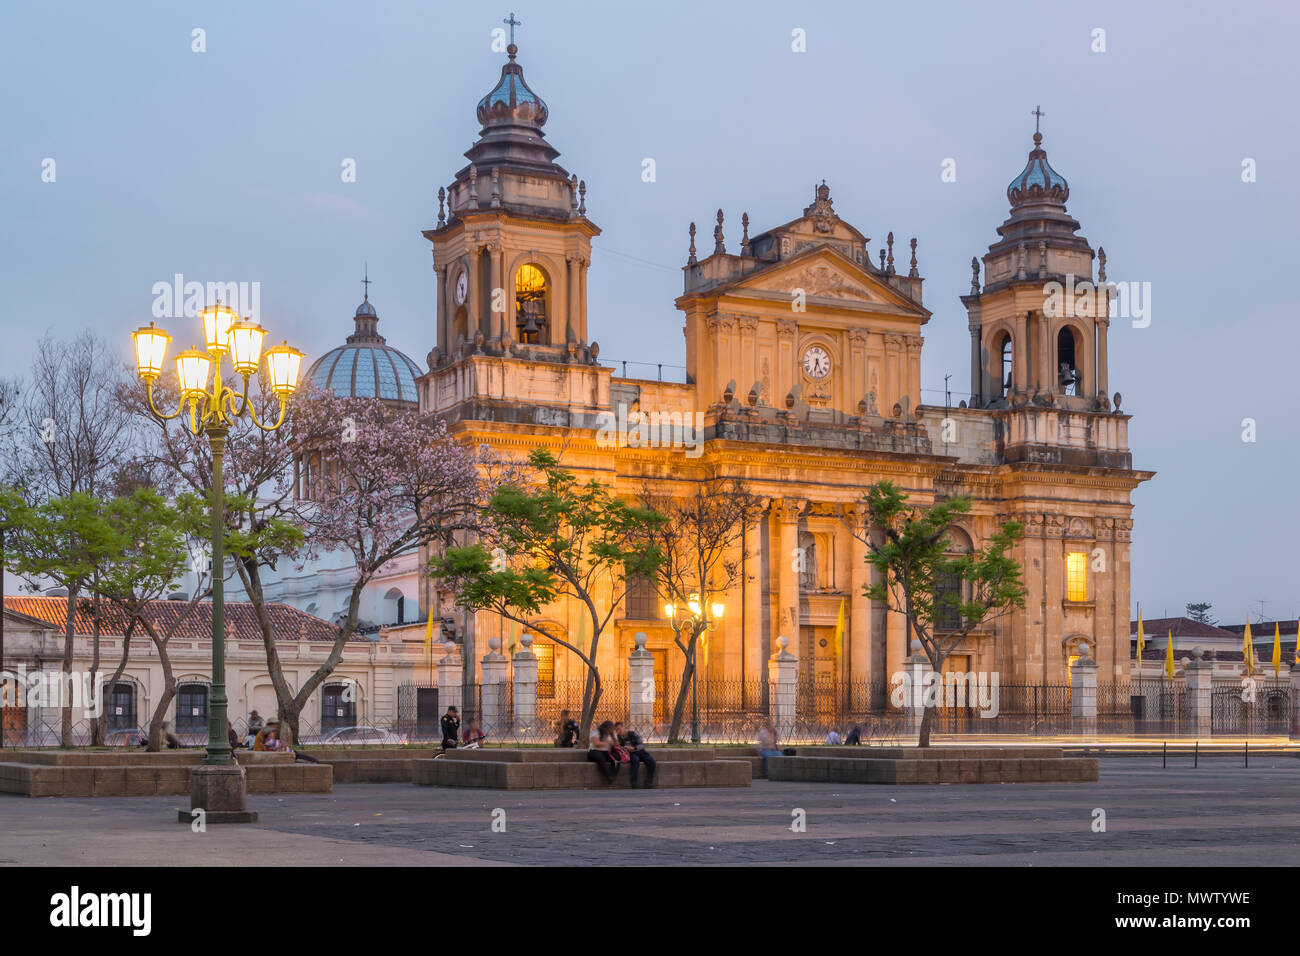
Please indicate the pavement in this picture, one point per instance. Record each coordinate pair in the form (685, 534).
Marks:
(1218, 813)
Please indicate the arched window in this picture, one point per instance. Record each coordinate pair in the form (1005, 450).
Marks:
(121, 707)
(949, 589)
(192, 708)
(1001, 372)
(1069, 368)
(530, 304)
(394, 606)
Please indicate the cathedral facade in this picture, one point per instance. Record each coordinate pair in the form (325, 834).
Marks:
(803, 360)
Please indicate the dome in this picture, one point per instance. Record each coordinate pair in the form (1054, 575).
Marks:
(366, 367)
(511, 101)
(1038, 182)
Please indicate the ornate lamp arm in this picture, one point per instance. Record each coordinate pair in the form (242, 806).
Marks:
(242, 399)
(153, 409)
(252, 411)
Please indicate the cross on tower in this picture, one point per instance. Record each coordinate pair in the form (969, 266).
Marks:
(366, 282)
(513, 23)
(1037, 114)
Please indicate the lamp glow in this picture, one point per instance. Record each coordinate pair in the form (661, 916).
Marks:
(695, 607)
(217, 320)
(150, 350)
(246, 346)
(717, 610)
(193, 368)
(669, 610)
(282, 364)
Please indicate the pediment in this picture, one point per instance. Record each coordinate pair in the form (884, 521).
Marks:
(824, 273)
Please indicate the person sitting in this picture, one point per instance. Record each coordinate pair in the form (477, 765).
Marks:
(235, 742)
(600, 752)
(855, 736)
(473, 736)
(566, 730)
(637, 754)
(767, 744)
(274, 743)
(833, 738)
(173, 742)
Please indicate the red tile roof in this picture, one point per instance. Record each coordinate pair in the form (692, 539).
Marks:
(289, 623)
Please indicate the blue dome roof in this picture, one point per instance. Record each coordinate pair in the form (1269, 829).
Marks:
(365, 308)
(1038, 181)
(511, 101)
(366, 371)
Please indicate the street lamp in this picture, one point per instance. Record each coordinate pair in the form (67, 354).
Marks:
(693, 615)
(218, 784)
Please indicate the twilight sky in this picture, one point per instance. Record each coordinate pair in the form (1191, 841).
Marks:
(225, 165)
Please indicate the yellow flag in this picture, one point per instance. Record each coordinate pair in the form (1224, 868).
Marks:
(1142, 641)
(1169, 656)
(1248, 649)
(839, 632)
(1277, 649)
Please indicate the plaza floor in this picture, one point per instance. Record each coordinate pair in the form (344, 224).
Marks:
(1216, 814)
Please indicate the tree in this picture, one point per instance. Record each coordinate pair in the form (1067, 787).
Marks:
(554, 538)
(1201, 613)
(396, 481)
(151, 552)
(65, 540)
(697, 540)
(911, 560)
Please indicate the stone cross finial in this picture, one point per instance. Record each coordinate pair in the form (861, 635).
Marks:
(912, 273)
(513, 23)
(890, 258)
(442, 217)
(717, 235)
(690, 260)
(744, 238)
(1037, 114)
(974, 276)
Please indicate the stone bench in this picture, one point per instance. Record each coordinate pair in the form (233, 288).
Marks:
(936, 770)
(567, 754)
(934, 753)
(576, 774)
(266, 773)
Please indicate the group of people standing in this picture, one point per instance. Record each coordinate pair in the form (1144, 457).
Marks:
(609, 747)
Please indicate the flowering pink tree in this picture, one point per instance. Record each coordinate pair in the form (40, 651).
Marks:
(388, 481)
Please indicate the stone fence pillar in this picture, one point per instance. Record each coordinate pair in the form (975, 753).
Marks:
(916, 681)
(640, 686)
(1198, 675)
(451, 670)
(525, 689)
(1083, 694)
(784, 671)
(495, 721)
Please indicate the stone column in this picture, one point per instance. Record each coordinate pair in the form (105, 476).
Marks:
(571, 301)
(495, 721)
(896, 641)
(1020, 351)
(640, 686)
(525, 689)
(497, 322)
(786, 511)
(1103, 325)
(916, 678)
(974, 323)
(1047, 375)
(474, 319)
(753, 625)
(450, 671)
(1198, 675)
(785, 674)
(861, 646)
(1083, 694)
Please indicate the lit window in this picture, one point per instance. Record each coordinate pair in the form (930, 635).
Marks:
(530, 304)
(545, 670)
(1076, 576)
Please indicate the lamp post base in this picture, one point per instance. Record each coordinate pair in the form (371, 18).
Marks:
(221, 793)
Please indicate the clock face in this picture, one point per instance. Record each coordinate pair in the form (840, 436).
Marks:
(816, 363)
(462, 287)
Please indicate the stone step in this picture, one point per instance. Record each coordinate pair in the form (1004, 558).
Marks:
(36, 780)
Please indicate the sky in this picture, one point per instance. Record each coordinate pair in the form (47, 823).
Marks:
(226, 165)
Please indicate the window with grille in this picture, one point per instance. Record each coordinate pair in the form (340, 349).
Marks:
(1076, 576)
(191, 708)
(545, 670)
(947, 616)
(338, 707)
(121, 707)
(642, 601)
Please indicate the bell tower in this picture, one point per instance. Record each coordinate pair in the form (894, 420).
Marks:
(513, 242)
(1038, 327)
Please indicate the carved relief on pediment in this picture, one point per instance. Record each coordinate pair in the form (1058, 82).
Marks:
(1123, 529)
(1077, 527)
(821, 280)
